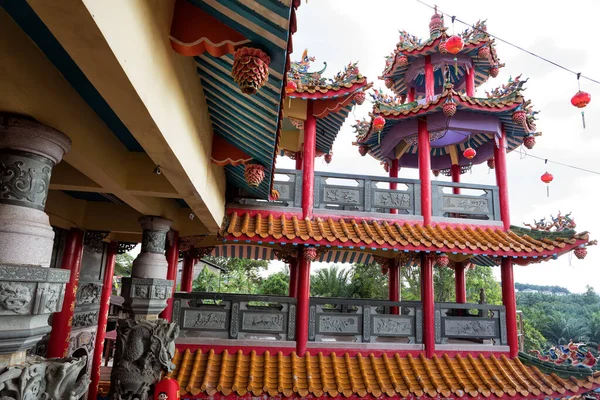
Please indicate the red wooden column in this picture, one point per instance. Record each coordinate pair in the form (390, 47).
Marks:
(308, 162)
(299, 160)
(424, 170)
(455, 172)
(109, 272)
(394, 185)
(394, 284)
(411, 95)
(293, 277)
(173, 260)
(302, 304)
(428, 306)
(460, 282)
(187, 272)
(470, 82)
(510, 303)
(501, 179)
(61, 321)
(429, 79)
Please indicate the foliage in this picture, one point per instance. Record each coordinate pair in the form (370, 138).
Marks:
(332, 281)
(240, 275)
(483, 278)
(206, 281)
(411, 283)
(554, 289)
(534, 340)
(276, 284)
(444, 287)
(367, 282)
(123, 264)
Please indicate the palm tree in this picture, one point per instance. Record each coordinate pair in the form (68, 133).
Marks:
(331, 282)
(559, 329)
(207, 281)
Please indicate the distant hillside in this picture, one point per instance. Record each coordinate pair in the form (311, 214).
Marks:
(554, 289)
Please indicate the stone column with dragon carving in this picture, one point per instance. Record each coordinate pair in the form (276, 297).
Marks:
(30, 291)
(145, 343)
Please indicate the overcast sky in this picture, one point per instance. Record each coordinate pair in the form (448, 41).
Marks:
(342, 31)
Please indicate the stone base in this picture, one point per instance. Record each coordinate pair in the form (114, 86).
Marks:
(145, 297)
(150, 265)
(28, 296)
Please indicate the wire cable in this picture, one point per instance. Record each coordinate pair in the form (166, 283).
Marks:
(454, 18)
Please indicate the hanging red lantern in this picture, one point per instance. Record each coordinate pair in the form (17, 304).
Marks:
(359, 97)
(386, 166)
(167, 389)
(379, 122)
(491, 163)
(388, 83)
(547, 177)
(402, 60)
(454, 44)
(442, 260)
(250, 69)
(529, 141)
(442, 48)
(580, 252)
(484, 52)
(310, 253)
(363, 150)
(449, 108)
(436, 172)
(494, 71)
(328, 157)
(254, 174)
(519, 117)
(580, 100)
(291, 87)
(469, 153)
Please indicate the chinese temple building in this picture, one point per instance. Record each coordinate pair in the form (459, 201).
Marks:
(161, 125)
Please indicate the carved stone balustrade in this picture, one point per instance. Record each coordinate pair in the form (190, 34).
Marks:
(233, 316)
(363, 320)
(484, 206)
(479, 323)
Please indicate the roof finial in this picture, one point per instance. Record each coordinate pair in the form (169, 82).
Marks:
(436, 23)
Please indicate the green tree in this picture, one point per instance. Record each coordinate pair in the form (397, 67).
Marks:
(559, 329)
(123, 264)
(276, 284)
(206, 281)
(483, 278)
(411, 283)
(367, 282)
(241, 275)
(331, 281)
(534, 340)
(444, 285)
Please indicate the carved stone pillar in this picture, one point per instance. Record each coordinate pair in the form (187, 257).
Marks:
(147, 291)
(29, 291)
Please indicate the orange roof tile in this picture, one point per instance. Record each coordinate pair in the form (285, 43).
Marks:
(201, 374)
(399, 235)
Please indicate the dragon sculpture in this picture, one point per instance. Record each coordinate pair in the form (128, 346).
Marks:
(361, 128)
(558, 224)
(572, 354)
(513, 87)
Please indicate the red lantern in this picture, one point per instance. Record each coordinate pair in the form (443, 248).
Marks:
(250, 69)
(449, 108)
(359, 97)
(580, 252)
(547, 177)
(581, 99)
(491, 163)
(328, 157)
(166, 389)
(363, 150)
(529, 142)
(484, 52)
(402, 61)
(310, 253)
(442, 260)
(291, 87)
(254, 174)
(454, 44)
(494, 71)
(519, 117)
(436, 172)
(379, 122)
(469, 153)
(386, 166)
(442, 48)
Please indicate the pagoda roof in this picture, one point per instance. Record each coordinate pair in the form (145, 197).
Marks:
(471, 113)
(394, 237)
(404, 67)
(201, 374)
(333, 98)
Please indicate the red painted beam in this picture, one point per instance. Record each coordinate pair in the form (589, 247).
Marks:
(58, 345)
(510, 303)
(173, 260)
(470, 82)
(501, 178)
(455, 172)
(411, 95)
(187, 273)
(424, 171)
(302, 304)
(299, 160)
(293, 277)
(394, 185)
(428, 305)
(109, 272)
(429, 79)
(460, 282)
(394, 285)
(308, 166)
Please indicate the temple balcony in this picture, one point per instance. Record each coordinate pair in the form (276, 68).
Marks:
(338, 194)
(237, 321)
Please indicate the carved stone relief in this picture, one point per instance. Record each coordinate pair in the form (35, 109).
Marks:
(85, 319)
(469, 328)
(392, 200)
(233, 327)
(16, 298)
(292, 323)
(387, 325)
(284, 190)
(466, 204)
(144, 350)
(341, 196)
(312, 322)
(89, 293)
(205, 319)
(339, 324)
(153, 241)
(24, 178)
(268, 322)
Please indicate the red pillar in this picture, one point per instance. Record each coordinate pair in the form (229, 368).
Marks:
(428, 306)
(470, 82)
(460, 283)
(429, 79)
(187, 272)
(302, 304)
(173, 260)
(308, 162)
(455, 172)
(61, 321)
(394, 284)
(501, 180)
(293, 277)
(299, 160)
(510, 303)
(411, 95)
(394, 185)
(425, 170)
(109, 272)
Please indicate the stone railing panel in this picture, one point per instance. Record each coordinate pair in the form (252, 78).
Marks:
(456, 321)
(485, 206)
